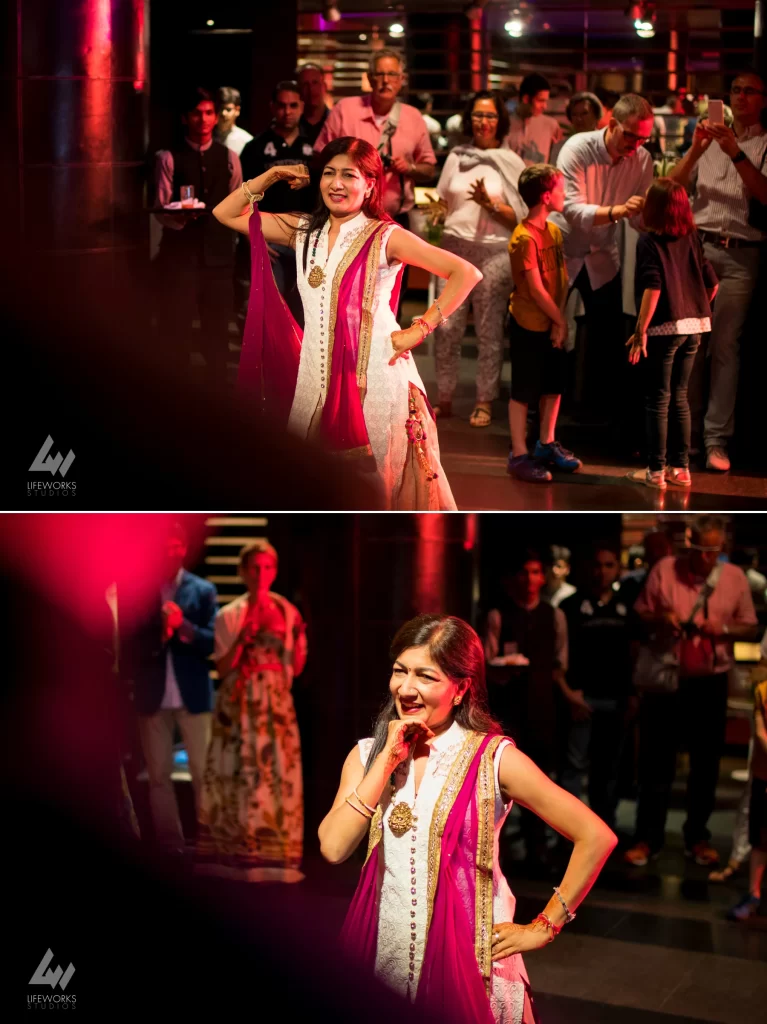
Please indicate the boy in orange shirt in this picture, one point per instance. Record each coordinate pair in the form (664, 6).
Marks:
(538, 327)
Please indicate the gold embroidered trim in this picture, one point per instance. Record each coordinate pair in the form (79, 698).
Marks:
(352, 252)
(366, 325)
(442, 808)
(375, 833)
(483, 880)
(365, 451)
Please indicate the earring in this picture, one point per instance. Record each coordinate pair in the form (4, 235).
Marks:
(457, 701)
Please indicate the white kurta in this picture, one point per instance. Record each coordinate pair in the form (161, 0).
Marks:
(403, 878)
(386, 402)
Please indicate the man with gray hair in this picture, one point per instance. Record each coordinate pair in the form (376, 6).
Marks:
(696, 605)
(396, 129)
(607, 172)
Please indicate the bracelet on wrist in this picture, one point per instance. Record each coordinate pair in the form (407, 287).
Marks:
(359, 810)
(570, 917)
(550, 926)
(424, 326)
(252, 197)
(366, 806)
(739, 157)
(610, 215)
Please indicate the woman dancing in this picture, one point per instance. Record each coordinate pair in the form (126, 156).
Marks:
(349, 384)
(433, 915)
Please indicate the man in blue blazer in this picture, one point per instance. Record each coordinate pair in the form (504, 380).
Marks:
(171, 674)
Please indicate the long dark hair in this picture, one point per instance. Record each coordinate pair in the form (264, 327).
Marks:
(369, 164)
(458, 651)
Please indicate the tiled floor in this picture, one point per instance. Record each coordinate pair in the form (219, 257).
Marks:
(475, 463)
(648, 946)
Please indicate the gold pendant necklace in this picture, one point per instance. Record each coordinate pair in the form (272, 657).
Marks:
(401, 818)
(316, 277)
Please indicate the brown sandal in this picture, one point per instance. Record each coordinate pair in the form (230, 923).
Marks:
(480, 417)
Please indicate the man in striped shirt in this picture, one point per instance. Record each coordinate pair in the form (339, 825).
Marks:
(726, 167)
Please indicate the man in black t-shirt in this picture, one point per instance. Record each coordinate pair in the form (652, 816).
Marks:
(523, 693)
(281, 143)
(311, 78)
(599, 634)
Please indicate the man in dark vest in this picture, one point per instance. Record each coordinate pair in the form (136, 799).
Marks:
(196, 256)
(531, 636)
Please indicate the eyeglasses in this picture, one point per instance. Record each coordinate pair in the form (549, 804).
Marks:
(484, 117)
(745, 90)
(631, 137)
(386, 74)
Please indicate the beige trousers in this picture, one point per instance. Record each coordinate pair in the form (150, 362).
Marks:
(156, 733)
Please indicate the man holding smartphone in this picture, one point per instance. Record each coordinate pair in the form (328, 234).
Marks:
(726, 167)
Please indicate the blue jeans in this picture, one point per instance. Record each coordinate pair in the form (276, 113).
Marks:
(596, 745)
(669, 363)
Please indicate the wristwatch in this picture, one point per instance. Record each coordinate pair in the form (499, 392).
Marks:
(739, 156)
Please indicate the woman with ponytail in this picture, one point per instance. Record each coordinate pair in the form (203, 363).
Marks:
(433, 915)
(348, 384)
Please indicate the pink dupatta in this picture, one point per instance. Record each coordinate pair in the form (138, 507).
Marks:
(272, 341)
(455, 976)
(271, 344)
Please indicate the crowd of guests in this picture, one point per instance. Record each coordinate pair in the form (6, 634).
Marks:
(545, 213)
(576, 673)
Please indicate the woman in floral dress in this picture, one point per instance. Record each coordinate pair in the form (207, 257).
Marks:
(251, 818)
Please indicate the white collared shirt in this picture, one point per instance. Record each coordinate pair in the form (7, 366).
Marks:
(721, 199)
(592, 180)
(172, 697)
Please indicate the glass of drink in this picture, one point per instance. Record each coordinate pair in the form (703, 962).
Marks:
(187, 197)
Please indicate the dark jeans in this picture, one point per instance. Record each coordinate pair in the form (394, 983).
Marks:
(670, 360)
(695, 716)
(596, 745)
(609, 390)
(195, 292)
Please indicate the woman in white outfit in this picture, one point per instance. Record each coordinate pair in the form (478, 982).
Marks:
(351, 387)
(481, 206)
(433, 914)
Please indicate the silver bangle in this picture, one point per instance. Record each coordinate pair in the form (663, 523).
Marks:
(442, 319)
(570, 917)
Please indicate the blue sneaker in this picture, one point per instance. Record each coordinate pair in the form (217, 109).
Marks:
(555, 455)
(747, 907)
(522, 467)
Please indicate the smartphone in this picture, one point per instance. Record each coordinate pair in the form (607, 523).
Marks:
(715, 112)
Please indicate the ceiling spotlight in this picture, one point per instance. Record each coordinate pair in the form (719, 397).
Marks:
(396, 30)
(332, 13)
(643, 17)
(210, 23)
(363, 37)
(515, 26)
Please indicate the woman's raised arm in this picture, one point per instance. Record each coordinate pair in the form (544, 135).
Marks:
(235, 211)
